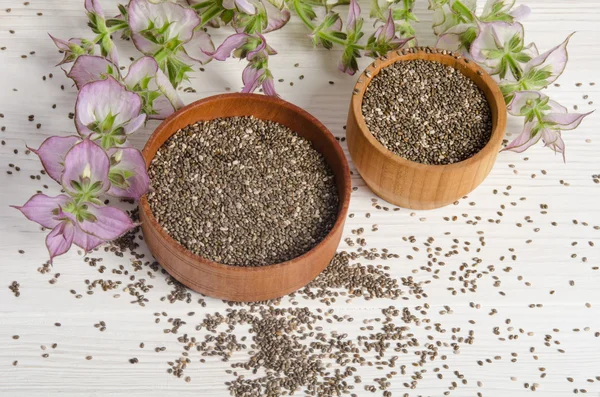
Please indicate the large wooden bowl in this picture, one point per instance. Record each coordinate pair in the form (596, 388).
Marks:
(247, 283)
(410, 184)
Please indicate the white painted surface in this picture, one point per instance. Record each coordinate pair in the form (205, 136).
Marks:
(545, 263)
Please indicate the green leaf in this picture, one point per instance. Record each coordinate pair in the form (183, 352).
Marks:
(463, 12)
(326, 43)
(376, 11)
(107, 124)
(150, 36)
(227, 16)
(117, 179)
(515, 69)
(468, 36)
(211, 12)
(522, 57)
(515, 43)
(503, 68)
(76, 186)
(123, 10)
(95, 188)
(305, 9)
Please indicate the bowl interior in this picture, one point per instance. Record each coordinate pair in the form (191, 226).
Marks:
(468, 68)
(265, 108)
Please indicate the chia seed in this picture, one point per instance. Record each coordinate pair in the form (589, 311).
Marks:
(242, 191)
(427, 112)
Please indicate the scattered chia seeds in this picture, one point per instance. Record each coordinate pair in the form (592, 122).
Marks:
(14, 287)
(427, 112)
(243, 191)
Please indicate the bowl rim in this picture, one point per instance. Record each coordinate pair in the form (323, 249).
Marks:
(197, 260)
(372, 70)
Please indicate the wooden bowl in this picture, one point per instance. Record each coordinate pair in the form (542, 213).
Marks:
(407, 183)
(247, 283)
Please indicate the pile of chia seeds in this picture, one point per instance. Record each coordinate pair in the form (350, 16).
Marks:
(242, 191)
(427, 112)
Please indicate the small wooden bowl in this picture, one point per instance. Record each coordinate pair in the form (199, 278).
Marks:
(410, 184)
(247, 283)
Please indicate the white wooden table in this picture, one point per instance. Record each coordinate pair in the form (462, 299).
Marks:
(544, 264)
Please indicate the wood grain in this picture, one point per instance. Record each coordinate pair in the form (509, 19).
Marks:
(542, 257)
(247, 283)
(410, 184)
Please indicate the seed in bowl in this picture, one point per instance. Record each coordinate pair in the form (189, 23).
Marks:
(242, 191)
(427, 112)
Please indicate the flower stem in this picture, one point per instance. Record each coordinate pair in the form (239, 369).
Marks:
(312, 27)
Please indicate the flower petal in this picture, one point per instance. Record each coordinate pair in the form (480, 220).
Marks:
(59, 240)
(52, 154)
(566, 121)
(229, 45)
(86, 241)
(147, 67)
(88, 68)
(520, 13)
(251, 78)
(125, 161)
(353, 15)
(135, 124)
(198, 47)
(99, 99)
(489, 6)
(494, 36)
(181, 21)
(276, 17)
(553, 140)
(61, 44)
(86, 161)
(553, 60)
(524, 141)
(451, 39)
(93, 6)
(165, 86)
(269, 87)
(389, 29)
(556, 107)
(40, 209)
(228, 4)
(143, 67)
(111, 49)
(245, 6)
(520, 100)
(259, 50)
(109, 224)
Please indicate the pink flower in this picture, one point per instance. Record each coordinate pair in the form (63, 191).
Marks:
(353, 15)
(545, 119)
(52, 154)
(107, 112)
(89, 68)
(167, 29)
(98, 25)
(500, 47)
(243, 45)
(80, 217)
(127, 175)
(234, 42)
(159, 97)
(254, 78)
(72, 48)
(85, 224)
(387, 32)
(502, 10)
(242, 5)
(85, 175)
